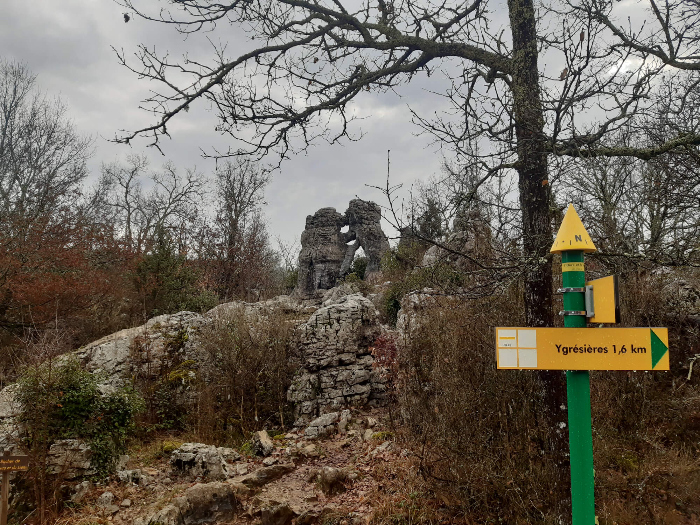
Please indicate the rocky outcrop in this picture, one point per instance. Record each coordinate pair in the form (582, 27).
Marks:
(71, 458)
(364, 224)
(198, 460)
(145, 351)
(337, 365)
(201, 503)
(327, 252)
(337, 370)
(323, 248)
(472, 238)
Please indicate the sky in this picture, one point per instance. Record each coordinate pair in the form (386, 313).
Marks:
(69, 46)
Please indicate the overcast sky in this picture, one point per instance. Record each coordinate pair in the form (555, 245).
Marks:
(68, 45)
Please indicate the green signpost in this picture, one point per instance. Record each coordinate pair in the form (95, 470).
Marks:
(572, 241)
(524, 348)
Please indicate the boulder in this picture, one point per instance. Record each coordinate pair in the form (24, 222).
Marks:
(203, 461)
(262, 444)
(331, 480)
(201, 503)
(279, 514)
(265, 475)
(80, 490)
(322, 425)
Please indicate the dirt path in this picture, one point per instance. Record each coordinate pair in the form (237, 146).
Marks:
(330, 479)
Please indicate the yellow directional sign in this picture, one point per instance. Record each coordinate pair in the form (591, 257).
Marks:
(572, 235)
(582, 348)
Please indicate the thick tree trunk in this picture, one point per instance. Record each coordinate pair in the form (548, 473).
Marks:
(537, 230)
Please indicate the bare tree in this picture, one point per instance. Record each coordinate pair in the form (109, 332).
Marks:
(239, 253)
(239, 190)
(139, 216)
(42, 158)
(312, 58)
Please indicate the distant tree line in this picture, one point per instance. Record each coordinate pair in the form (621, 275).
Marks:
(87, 260)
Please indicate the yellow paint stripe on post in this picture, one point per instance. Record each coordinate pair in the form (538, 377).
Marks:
(582, 348)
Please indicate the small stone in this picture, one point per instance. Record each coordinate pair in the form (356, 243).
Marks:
(372, 422)
(277, 515)
(241, 469)
(269, 461)
(105, 499)
(262, 444)
(80, 490)
(331, 480)
(122, 462)
(125, 503)
(367, 435)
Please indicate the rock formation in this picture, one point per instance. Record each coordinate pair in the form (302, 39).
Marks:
(327, 252)
(337, 365)
(364, 222)
(323, 248)
(472, 236)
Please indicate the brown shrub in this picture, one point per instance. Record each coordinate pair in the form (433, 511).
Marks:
(245, 388)
(482, 439)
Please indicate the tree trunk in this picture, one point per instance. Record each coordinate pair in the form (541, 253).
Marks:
(537, 230)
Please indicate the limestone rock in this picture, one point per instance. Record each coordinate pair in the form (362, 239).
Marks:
(364, 221)
(201, 503)
(265, 475)
(200, 460)
(279, 514)
(8, 406)
(210, 502)
(337, 365)
(322, 425)
(327, 252)
(344, 421)
(331, 479)
(70, 458)
(472, 237)
(80, 491)
(105, 499)
(135, 476)
(323, 249)
(168, 515)
(262, 444)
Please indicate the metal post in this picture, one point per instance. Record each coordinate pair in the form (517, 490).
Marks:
(578, 391)
(5, 493)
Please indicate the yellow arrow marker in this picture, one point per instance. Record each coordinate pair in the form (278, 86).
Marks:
(572, 234)
(582, 348)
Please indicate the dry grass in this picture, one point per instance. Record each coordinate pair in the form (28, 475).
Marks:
(482, 440)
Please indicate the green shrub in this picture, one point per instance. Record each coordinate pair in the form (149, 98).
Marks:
(60, 400)
(359, 267)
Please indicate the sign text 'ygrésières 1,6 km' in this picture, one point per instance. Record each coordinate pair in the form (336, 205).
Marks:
(582, 348)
